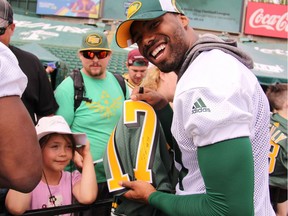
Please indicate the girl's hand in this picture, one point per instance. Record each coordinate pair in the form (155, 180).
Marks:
(84, 150)
(81, 153)
(78, 160)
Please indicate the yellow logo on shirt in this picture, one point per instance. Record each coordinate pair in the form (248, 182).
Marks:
(106, 106)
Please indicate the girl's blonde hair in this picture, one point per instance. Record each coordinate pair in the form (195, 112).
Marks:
(152, 78)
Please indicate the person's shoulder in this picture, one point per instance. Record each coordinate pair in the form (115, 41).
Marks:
(110, 75)
(20, 54)
(68, 81)
(7, 54)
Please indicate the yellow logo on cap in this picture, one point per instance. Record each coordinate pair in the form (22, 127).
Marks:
(133, 8)
(175, 6)
(94, 40)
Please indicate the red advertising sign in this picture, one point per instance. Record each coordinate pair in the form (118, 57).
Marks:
(266, 20)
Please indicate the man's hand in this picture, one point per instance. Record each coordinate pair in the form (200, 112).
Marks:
(155, 99)
(138, 190)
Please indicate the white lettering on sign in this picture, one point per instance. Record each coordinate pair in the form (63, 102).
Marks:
(271, 22)
(279, 52)
(272, 69)
(48, 26)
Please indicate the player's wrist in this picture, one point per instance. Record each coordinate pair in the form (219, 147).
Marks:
(161, 104)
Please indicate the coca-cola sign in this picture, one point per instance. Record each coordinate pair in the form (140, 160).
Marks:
(266, 20)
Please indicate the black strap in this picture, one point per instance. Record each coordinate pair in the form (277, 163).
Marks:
(79, 88)
(121, 82)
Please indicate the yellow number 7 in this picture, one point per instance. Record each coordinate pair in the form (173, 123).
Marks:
(142, 171)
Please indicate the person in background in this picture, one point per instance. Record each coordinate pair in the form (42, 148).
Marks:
(50, 67)
(58, 187)
(164, 83)
(38, 97)
(221, 115)
(137, 68)
(20, 156)
(278, 164)
(97, 116)
(51, 70)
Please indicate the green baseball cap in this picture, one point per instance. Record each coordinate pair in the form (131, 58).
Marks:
(94, 41)
(143, 10)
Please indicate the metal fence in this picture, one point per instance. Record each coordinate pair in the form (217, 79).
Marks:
(76, 209)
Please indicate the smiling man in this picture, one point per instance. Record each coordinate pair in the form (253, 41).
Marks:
(220, 121)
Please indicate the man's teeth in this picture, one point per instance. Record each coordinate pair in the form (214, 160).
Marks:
(158, 49)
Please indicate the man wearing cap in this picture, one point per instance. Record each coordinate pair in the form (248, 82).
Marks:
(98, 115)
(38, 97)
(137, 68)
(220, 120)
(50, 67)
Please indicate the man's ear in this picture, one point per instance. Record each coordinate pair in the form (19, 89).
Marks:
(12, 26)
(184, 20)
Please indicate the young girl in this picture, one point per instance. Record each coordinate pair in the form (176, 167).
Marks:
(57, 187)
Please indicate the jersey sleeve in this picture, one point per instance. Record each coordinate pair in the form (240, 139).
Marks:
(229, 189)
(209, 117)
(12, 80)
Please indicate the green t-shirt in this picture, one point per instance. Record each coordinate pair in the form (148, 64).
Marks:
(96, 119)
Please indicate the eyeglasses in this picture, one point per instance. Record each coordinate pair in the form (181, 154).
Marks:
(88, 54)
(3, 29)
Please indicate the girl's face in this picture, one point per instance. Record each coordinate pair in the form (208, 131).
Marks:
(57, 152)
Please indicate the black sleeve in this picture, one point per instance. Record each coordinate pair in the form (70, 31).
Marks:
(47, 104)
(165, 117)
(38, 96)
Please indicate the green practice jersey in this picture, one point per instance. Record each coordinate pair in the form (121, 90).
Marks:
(138, 150)
(278, 152)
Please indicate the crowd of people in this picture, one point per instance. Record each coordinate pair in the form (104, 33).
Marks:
(188, 137)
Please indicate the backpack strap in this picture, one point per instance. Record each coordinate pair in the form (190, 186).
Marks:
(121, 82)
(79, 88)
